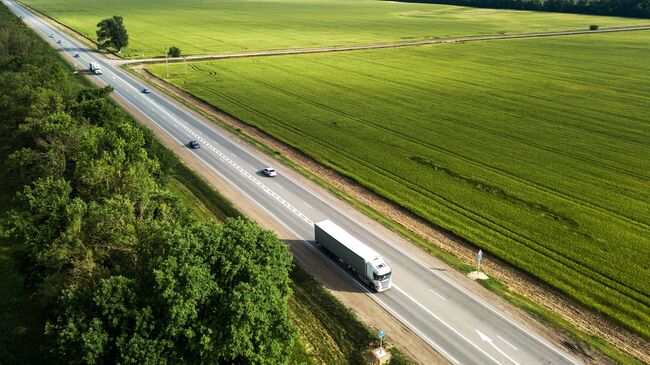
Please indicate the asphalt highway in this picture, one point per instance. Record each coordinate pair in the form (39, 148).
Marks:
(457, 324)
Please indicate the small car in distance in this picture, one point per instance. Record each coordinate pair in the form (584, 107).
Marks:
(51, 35)
(269, 171)
(59, 41)
(146, 91)
(76, 55)
(195, 144)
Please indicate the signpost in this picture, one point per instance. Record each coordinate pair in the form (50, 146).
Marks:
(381, 338)
(479, 256)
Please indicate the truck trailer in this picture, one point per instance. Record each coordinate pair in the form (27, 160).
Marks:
(95, 68)
(358, 257)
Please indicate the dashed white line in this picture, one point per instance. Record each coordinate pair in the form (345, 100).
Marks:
(445, 324)
(307, 220)
(231, 163)
(506, 342)
(436, 293)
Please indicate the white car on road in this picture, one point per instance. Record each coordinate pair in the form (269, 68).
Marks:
(269, 171)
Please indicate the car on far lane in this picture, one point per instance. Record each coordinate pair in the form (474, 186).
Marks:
(51, 35)
(59, 41)
(146, 91)
(195, 144)
(269, 171)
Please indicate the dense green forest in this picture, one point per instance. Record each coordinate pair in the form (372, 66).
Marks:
(121, 271)
(628, 8)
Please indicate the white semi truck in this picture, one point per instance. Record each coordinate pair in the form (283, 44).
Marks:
(363, 260)
(95, 68)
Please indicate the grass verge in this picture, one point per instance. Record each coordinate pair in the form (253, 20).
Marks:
(543, 315)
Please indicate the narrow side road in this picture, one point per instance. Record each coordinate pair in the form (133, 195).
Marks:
(443, 308)
(281, 52)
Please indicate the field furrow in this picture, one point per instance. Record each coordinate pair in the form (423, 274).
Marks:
(535, 150)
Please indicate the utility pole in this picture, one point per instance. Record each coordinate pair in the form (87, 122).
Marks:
(167, 61)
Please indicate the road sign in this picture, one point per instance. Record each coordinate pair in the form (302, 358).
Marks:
(381, 334)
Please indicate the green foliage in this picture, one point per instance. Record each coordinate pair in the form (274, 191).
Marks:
(119, 268)
(533, 153)
(632, 8)
(112, 33)
(333, 332)
(202, 294)
(230, 26)
(174, 52)
(397, 358)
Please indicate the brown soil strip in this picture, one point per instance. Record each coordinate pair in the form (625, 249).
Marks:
(336, 281)
(517, 282)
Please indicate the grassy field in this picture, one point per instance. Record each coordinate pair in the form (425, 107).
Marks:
(535, 150)
(210, 26)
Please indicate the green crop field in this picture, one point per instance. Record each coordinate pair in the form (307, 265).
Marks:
(536, 150)
(211, 26)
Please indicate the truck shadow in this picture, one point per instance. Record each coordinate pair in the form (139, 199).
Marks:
(326, 268)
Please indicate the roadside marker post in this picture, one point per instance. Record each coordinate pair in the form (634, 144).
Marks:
(381, 340)
(479, 256)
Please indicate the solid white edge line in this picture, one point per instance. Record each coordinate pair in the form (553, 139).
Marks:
(445, 324)
(436, 293)
(391, 244)
(374, 297)
(506, 342)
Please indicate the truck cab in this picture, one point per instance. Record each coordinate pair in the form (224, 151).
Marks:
(380, 274)
(95, 68)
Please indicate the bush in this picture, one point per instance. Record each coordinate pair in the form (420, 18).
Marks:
(593, 27)
(174, 52)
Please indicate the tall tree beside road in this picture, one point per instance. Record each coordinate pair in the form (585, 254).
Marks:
(202, 293)
(122, 270)
(112, 33)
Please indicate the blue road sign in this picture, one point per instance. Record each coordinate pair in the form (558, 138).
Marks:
(381, 334)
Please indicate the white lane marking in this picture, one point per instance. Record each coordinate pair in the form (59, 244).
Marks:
(407, 254)
(436, 293)
(305, 203)
(448, 281)
(445, 323)
(232, 163)
(374, 297)
(491, 342)
(507, 343)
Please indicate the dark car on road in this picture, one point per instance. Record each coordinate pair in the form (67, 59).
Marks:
(146, 91)
(195, 144)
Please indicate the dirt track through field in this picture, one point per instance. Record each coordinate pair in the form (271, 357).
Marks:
(384, 45)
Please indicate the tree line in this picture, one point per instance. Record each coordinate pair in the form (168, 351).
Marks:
(626, 8)
(122, 270)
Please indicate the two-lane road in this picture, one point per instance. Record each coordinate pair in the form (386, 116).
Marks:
(457, 324)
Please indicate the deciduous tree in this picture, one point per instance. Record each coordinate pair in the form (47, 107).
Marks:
(112, 33)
